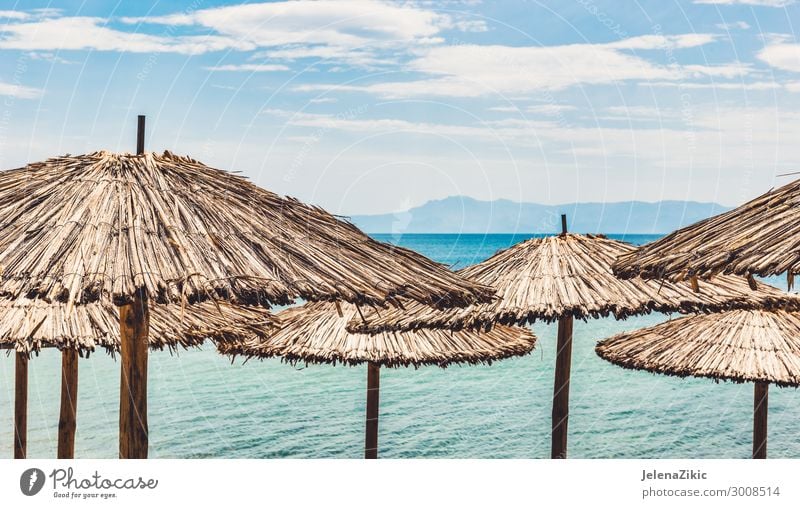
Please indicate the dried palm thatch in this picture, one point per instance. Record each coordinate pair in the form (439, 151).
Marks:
(544, 279)
(739, 345)
(29, 325)
(316, 333)
(761, 237)
(82, 228)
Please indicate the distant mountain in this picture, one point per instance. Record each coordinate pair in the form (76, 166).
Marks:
(460, 214)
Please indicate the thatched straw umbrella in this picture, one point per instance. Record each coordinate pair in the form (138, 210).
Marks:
(163, 228)
(316, 333)
(758, 238)
(559, 278)
(28, 326)
(743, 346)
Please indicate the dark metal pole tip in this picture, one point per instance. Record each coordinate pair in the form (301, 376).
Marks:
(140, 136)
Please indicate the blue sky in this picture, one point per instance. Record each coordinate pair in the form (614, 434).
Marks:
(377, 106)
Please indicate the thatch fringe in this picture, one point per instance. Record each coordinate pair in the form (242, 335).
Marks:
(757, 238)
(316, 333)
(27, 326)
(100, 226)
(543, 279)
(741, 346)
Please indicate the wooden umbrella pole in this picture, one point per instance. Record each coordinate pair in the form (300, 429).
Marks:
(134, 322)
(69, 404)
(760, 409)
(20, 406)
(560, 416)
(373, 393)
(558, 448)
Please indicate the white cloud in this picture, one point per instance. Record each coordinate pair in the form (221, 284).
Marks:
(345, 30)
(77, 33)
(350, 23)
(19, 91)
(711, 138)
(362, 57)
(729, 71)
(733, 25)
(751, 85)
(464, 25)
(14, 15)
(550, 109)
(782, 56)
(509, 130)
(758, 3)
(647, 42)
(355, 32)
(48, 57)
(504, 109)
(471, 70)
(323, 100)
(642, 112)
(248, 68)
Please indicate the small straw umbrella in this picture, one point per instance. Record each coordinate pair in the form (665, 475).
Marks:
(743, 346)
(316, 333)
(559, 278)
(760, 237)
(27, 326)
(161, 228)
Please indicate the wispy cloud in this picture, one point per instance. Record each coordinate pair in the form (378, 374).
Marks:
(733, 25)
(14, 15)
(647, 42)
(19, 91)
(550, 109)
(642, 112)
(351, 31)
(743, 85)
(731, 137)
(82, 33)
(506, 130)
(472, 70)
(48, 57)
(758, 3)
(248, 68)
(360, 33)
(728, 71)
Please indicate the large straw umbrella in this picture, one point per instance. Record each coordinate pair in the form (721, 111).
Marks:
(317, 333)
(760, 237)
(28, 326)
(559, 278)
(745, 346)
(136, 229)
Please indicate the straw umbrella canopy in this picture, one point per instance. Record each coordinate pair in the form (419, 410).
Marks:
(106, 225)
(28, 326)
(559, 278)
(744, 346)
(164, 228)
(317, 333)
(546, 279)
(761, 237)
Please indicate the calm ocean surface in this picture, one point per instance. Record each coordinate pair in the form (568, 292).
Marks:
(202, 406)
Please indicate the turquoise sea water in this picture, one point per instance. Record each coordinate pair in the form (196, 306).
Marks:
(202, 406)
